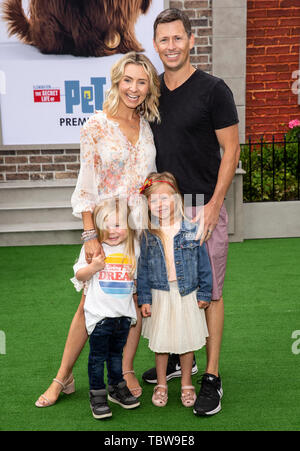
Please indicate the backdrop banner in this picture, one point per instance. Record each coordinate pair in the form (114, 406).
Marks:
(46, 98)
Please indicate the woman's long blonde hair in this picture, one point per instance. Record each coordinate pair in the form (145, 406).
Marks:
(149, 108)
(119, 208)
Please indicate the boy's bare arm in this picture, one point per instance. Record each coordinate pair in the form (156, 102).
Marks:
(88, 271)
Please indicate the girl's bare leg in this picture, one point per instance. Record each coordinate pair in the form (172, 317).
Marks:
(161, 361)
(76, 340)
(160, 393)
(186, 363)
(130, 351)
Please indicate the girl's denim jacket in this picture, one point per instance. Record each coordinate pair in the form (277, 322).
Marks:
(191, 260)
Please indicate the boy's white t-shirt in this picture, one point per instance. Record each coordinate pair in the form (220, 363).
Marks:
(109, 292)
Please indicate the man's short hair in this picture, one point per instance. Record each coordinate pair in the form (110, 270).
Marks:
(170, 15)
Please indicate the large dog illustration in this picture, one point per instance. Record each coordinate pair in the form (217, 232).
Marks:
(77, 27)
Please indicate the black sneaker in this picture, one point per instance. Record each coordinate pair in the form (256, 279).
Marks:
(208, 401)
(173, 370)
(98, 403)
(120, 394)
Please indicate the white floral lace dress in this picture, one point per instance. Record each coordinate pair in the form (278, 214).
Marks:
(110, 165)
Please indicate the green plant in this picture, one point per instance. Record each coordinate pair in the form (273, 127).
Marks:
(273, 172)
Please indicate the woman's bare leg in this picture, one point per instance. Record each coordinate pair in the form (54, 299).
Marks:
(76, 340)
(130, 351)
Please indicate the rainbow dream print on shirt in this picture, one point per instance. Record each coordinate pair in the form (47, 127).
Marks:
(114, 278)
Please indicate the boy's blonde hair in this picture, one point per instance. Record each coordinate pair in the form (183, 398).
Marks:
(149, 108)
(121, 211)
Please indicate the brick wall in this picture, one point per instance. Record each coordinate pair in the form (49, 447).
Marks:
(39, 164)
(64, 164)
(273, 36)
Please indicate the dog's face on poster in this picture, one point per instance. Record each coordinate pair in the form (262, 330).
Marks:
(76, 27)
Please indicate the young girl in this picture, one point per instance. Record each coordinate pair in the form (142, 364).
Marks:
(174, 284)
(109, 307)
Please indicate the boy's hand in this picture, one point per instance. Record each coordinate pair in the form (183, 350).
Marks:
(146, 310)
(203, 304)
(98, 262)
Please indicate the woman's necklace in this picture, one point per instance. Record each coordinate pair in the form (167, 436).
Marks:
(129, 122)
(135, 127)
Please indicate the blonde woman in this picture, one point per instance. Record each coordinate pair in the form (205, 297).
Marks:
(117, 152)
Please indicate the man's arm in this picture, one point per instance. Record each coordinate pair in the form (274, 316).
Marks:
(229, 141)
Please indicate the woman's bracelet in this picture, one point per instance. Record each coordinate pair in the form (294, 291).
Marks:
(88, 232)
(92, 237)
(89, 235)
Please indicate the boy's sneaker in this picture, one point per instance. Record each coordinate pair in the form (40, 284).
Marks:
(99, 405)
(208, 401)
(120, 394)
(173, 370)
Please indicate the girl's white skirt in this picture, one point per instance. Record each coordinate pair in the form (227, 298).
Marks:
(176, 325)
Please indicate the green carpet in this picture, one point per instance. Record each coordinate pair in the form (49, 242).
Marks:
(260, 373)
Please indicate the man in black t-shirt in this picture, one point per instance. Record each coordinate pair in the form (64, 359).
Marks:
(198, 116)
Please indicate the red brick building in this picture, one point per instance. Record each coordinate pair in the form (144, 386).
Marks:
(273, 37)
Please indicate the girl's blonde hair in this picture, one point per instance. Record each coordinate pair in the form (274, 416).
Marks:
(149, 108)
(121, 211)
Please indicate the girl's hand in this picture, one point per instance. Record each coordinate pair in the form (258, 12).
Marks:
(146, 310)
(98, 262)
(92, 249)
(203, 304)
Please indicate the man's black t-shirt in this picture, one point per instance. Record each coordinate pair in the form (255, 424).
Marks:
(185, 140)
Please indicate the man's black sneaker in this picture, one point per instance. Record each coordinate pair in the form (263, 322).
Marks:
(173, 370)
(208, 401)
(120, 394)
(98, 403)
